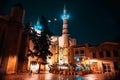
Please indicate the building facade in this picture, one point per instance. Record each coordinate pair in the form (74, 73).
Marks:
(11, 31)
(59, 45)
(101, 58)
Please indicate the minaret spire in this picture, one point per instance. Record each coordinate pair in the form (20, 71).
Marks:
(64, 39)
(65, 35)
(38, 25)
(65, 17)
(38, 21)
(64, 9)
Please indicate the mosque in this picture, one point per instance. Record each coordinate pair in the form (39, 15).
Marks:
(60, 44)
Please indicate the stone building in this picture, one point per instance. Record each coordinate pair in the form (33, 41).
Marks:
(101, 58)
(11, 38)
(65, 41)
(59, 44)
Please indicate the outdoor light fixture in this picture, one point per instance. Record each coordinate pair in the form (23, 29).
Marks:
(39, 27)
(34, 67)
(65, 16)
(49, 21)
(77, 59)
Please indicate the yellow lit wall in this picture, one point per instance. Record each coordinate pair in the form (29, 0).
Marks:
(12, 64)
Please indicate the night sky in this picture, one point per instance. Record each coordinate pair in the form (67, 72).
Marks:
(91, 21)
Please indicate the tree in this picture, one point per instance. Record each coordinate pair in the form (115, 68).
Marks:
(41, 40)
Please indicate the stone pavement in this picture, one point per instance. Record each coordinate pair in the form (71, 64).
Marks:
(50, 76)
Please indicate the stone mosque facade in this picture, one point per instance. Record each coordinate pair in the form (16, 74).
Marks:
(60, 45)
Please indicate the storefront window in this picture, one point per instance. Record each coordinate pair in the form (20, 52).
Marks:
(106, 67)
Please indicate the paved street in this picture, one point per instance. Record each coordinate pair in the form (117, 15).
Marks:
(39, 77)
(49, 76)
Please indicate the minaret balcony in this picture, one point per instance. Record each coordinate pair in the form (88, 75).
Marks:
(65, 16)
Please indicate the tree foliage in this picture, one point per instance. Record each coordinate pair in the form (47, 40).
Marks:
(41, 41)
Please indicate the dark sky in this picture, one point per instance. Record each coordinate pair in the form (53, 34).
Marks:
(91, 21)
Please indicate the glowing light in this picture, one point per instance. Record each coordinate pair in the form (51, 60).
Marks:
(53, 39)
(38, 26)
(82, 59)
(77, 59)
(55, 19)
(65, 16)
(63, 67)
(49, 21)
(34, 67)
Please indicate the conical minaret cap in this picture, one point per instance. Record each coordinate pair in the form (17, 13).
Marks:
(64, 9)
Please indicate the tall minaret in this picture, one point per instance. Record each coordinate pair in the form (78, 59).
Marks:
(64, 39)
(65, 34)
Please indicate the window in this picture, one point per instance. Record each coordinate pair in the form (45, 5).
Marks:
(106, 67)
(115, 53)
(76, 52)
(116, 65)
(82, 52)
(101, 54)
(94, 55)
(108, 54)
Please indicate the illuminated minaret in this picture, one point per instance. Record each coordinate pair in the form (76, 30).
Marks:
(65, 34)
(38, 25)
(64, 39)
